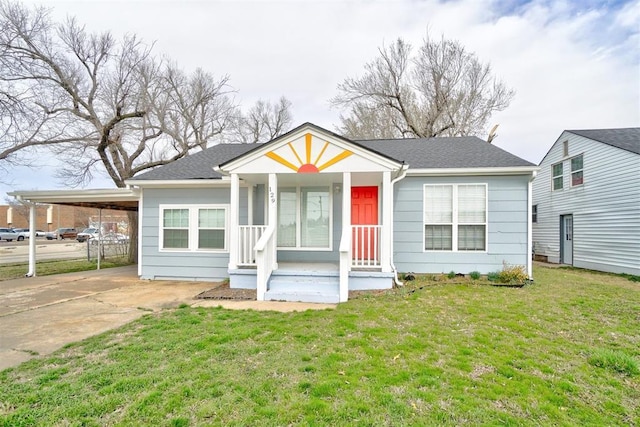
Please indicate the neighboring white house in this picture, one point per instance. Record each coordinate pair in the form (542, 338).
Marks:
(311, 215)
(586, 201)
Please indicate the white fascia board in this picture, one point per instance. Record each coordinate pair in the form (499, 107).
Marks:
(179, 183)
(103, 194)
(519, 170)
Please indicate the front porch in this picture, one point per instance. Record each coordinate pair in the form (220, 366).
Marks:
(319, 217)
(272, 259)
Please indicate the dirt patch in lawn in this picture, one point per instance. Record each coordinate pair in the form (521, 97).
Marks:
(222, 291)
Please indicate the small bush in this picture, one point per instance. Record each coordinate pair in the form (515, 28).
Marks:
(451, 274)
(513, 274)
(494, 276)
(475, 275)
(614, 360)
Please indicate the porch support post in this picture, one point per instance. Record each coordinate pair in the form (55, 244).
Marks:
(345, 240)
(250, 205)
(234, 221)
(32, 241)
(385, 233)
(272, 201)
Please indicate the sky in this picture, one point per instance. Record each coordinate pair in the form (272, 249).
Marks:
(572, 64)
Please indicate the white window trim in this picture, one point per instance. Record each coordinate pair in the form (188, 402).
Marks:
(456, 223)
(193, 228)
(578, 170)
(557, 176)
(299, 217)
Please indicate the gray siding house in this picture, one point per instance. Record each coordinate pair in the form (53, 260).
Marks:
(586, 201)
(312, 215)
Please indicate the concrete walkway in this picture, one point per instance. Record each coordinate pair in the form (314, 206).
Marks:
(39, 315)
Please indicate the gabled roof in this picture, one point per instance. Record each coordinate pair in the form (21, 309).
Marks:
(624, 138)
(418, 153)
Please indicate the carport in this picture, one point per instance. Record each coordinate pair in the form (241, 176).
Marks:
(122, 199)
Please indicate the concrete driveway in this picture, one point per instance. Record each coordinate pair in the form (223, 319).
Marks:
(39, 315)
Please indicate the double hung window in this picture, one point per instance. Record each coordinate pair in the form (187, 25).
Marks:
(193, 228)
(455, 217)
(556, 171)
(576, 171)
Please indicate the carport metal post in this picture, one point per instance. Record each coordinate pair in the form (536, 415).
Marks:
(32, 241)
(99, 236)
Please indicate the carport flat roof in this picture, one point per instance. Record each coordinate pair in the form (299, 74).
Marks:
(123, 199)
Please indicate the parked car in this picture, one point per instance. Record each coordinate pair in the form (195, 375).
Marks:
(62, 233)
(23, 233)
(88, 234)
(8, 234)
(110, 238)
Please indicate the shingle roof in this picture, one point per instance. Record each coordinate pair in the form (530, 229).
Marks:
(418, 153)
(198, 165)
(445, 152)
(623, 138)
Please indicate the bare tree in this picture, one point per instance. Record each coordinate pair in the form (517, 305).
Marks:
(103, 104)
(263, 122)
(443, 90)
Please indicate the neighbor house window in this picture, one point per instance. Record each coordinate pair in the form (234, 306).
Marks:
(193, 228)
(576, 171)
(557, 176)
(304, 217)
(534, 213)
(455, 217)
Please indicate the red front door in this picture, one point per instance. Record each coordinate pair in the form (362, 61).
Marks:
(364, 211)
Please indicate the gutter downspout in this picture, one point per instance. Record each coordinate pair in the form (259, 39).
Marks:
(530, 226)
(401, 176)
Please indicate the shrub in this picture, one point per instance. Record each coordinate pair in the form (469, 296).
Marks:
(451, 274)
(494, 276)
(513, 274)
(614, 360)
(475, 275)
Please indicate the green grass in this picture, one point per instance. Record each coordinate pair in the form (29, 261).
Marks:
(46, 268)
(431, 353)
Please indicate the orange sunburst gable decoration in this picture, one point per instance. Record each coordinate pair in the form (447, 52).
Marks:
(293, 161)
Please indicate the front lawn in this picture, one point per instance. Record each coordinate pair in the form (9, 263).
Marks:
(563, 351)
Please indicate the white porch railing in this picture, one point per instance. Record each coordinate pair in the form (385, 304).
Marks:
(265, 259)
(345, 263)
(248, 236)
(366, 246)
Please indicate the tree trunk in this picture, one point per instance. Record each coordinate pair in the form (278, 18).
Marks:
(133, 236)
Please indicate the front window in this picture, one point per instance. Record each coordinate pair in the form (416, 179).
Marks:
(175, 227)
(193, 228)
(576, 171)
(534, 213)
(557, 176)
(455, 217)
(304, 217)
(211, 228)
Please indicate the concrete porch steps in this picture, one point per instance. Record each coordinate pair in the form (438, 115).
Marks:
(305, 286)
